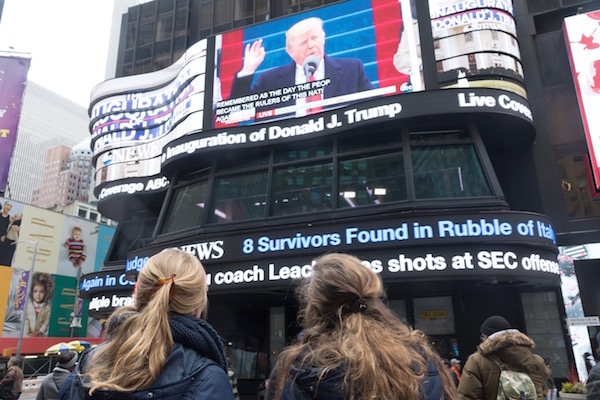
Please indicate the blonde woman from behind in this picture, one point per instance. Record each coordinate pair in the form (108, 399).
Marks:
(353, 346)
(161, 347)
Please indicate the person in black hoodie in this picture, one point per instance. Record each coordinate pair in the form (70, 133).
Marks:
(353, 345)
(161, 347)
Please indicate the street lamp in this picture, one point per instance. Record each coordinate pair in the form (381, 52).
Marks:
(27, 291)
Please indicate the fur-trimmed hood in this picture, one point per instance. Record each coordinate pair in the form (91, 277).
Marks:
(504, 339)
(480, 376)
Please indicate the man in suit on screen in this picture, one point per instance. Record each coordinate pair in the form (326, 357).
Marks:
(305, 44)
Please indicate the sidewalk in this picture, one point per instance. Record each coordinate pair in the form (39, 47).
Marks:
(30, 388)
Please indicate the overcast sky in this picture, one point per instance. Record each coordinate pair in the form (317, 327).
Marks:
(68, 41)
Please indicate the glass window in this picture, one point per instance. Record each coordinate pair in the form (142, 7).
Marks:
(243, 9)
(262, 8)
(181, 19)
(130, 36)
(434, 315)
(143, 53)
(399, 308)
(543, 324)
(554, 62)
(301, 189)
(165, 5)
(448, 171)
(375, 179)
(128, 236)
(239, 198)
(206, 15)
(574, 173)
(146, 33)
(223, 12)
(186, 207)
(295, 154)
(164, 26)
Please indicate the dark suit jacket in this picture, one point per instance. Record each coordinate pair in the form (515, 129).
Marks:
(347, 76)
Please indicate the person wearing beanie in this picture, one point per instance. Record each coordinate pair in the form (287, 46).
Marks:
(500, 343)
(54, 380)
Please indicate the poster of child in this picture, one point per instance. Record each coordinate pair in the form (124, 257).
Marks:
(37, 317)
(76, 247)
(79, 242)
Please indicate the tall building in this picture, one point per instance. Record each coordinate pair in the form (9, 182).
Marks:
(66, 177)
(47, 120)
(446, 149)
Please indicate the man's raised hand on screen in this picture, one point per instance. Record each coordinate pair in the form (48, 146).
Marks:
(253, 56)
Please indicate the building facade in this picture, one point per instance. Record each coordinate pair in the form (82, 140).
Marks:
(455, 169)
(66, 176)
(47, 120)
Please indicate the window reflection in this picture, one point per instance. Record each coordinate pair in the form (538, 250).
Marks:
(186, 207)
(239, 198)
(448, 171)
(302, 189)
(374, 179)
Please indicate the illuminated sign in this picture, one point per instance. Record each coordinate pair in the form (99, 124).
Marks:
(583, 45)
(475, 44)
(144, 185)
(133, 117)
(433, 314)
(374, 111)
(471, 243)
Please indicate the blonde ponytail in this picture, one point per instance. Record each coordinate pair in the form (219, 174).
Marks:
(134, 356)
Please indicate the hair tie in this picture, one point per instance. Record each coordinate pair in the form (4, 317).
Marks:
(359, 305)
(160, 282)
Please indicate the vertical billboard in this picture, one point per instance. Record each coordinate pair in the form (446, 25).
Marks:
(64, 243)
(315, 61)
(475, 44)
(13, 78)
(582, 35)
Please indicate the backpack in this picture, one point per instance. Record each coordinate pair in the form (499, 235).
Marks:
(514, 385)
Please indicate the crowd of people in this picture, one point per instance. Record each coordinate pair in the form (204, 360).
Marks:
(352, 346)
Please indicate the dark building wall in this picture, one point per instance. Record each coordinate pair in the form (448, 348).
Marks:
(588, 276)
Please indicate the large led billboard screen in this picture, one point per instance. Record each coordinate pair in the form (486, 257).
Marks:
(315, 61)
(583, 45)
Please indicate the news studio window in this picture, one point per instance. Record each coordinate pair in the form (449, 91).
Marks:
(446, 165)
(186, 207)
(350, 172)
(239, 198)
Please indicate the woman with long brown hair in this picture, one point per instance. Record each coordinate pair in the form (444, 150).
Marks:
(353, 346)
(161, 347)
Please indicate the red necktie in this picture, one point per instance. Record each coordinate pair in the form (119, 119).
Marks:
(311, 99)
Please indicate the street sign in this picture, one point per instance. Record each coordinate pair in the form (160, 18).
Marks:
(584, 321)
